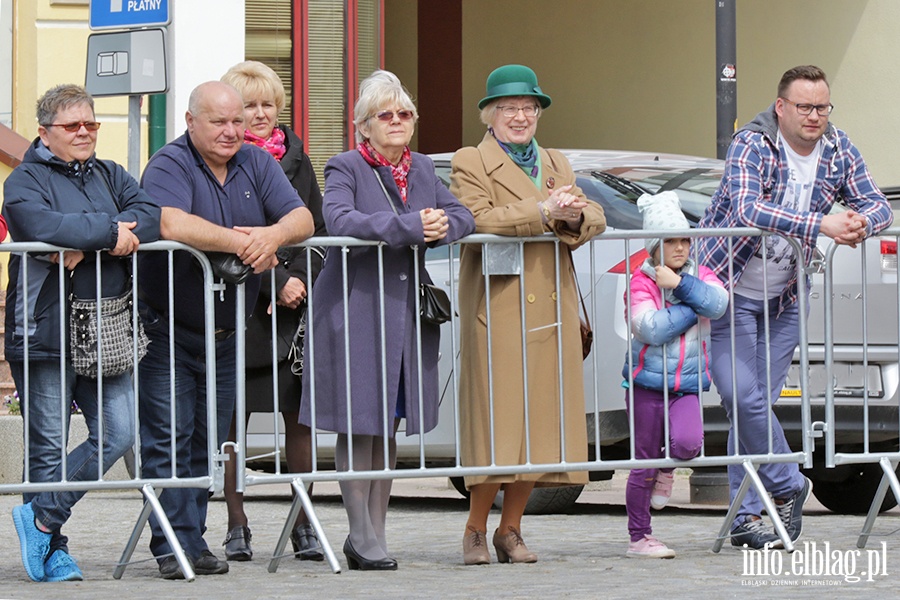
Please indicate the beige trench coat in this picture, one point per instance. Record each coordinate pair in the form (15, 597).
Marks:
(504, 201)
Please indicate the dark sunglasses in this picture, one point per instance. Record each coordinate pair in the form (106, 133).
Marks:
(388, 115)
(73, 127)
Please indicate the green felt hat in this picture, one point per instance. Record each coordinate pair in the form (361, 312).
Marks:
(513, 80)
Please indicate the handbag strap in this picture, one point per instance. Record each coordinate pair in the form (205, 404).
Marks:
(587, 319)
(384, 189)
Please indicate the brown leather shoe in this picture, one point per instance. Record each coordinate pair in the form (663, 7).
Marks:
(511, 547)
(475, 550)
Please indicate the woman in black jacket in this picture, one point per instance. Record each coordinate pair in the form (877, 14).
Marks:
(264, 99)
(62, 194)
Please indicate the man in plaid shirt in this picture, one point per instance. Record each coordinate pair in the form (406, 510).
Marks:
(784, 171)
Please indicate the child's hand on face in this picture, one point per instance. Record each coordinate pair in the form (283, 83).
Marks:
(666, 278)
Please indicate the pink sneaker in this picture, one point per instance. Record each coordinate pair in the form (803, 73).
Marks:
(649, 547)
(662, 490)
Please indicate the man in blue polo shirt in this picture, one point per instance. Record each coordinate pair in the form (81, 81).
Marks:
(217, 194)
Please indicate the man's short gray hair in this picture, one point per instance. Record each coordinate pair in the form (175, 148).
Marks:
(60, 98)
(379, 90)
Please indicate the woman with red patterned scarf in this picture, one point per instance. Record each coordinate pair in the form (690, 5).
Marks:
(264, 99)
(380, 191)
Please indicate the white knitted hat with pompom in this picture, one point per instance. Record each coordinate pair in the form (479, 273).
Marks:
(661, 211)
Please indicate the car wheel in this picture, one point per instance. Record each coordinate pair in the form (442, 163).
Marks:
(548, 500)
(460, 484)
(854, 495)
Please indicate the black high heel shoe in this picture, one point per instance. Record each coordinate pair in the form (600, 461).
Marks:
(356, 562)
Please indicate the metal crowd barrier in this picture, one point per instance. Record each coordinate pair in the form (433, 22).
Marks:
(444, 272)
(148, 487)
(882, 354)
(608, 261)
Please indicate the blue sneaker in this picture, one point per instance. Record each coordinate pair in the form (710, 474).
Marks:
(754, 533)
(62, 567)
(35, 543)
(790, 510)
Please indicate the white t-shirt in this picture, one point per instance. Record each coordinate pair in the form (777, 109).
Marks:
(780, 259)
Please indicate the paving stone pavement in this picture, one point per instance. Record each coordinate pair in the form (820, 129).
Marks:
(582, 554)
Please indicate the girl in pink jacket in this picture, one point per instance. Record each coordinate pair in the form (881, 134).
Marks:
(672, 301)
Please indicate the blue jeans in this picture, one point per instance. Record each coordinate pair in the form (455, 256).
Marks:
(754, 401)
(47, 406)
(184, 507)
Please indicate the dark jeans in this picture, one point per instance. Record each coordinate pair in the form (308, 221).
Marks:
(184, 507)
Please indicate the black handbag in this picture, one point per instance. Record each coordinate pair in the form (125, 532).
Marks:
(109, 336)
(587, 332)
(115, 341)
(434, 304)
(228, 267)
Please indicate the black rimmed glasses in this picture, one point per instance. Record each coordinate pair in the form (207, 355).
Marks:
(388, 115)
(73, 127)
(529, 111)
(823, 110)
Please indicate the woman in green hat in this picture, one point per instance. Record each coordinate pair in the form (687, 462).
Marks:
(516, 188)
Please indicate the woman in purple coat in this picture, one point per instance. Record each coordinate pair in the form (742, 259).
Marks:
(382, 192)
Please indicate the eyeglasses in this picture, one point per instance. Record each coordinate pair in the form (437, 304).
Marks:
(823, 110)
(388, 115)
(511, 111)
(73, 127)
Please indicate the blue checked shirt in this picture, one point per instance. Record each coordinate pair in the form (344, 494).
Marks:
(752, 190)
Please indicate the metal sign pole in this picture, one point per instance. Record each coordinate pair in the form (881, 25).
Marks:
(726, 77)
(134, 136)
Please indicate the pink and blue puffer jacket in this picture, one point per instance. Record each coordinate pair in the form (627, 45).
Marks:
(683, 326)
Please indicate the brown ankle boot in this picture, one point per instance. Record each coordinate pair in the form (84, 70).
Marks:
(475, 550)
(511, 547)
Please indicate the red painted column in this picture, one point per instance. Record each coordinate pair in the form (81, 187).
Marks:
(440, 75)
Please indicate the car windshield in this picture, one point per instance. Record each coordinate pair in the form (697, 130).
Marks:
(618, 189)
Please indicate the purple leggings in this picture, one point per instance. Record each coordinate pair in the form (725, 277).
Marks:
(685, 440)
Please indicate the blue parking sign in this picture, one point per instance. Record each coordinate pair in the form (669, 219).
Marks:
(125, 14)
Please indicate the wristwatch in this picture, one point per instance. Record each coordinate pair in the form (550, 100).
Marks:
(545, 210)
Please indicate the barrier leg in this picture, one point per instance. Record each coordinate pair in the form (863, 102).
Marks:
(285, 533)
(751, 478)
(152, 505)
(767, 501)
(301, 498)
(888, 479)
(725, 530)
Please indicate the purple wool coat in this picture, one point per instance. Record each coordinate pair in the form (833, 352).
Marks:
(355, 205)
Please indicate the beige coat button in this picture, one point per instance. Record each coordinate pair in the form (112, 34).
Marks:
(553, 296)
(530, 298)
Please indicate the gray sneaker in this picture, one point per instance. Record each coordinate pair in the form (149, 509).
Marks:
(754, 533)
(790, 510)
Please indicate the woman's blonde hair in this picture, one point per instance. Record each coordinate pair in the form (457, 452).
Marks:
(378, 90)
(254, 79)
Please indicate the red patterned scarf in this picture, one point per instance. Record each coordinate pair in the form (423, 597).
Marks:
(274, 145)
(400, 172)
